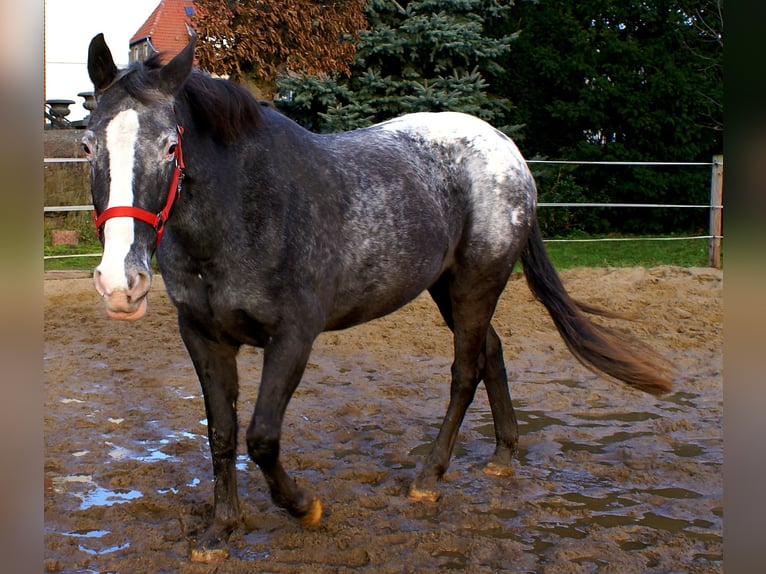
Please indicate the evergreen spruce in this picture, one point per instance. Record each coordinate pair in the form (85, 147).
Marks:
(423, 55)
(595, 80)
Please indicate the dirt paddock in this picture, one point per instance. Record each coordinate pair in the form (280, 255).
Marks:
(606, 480)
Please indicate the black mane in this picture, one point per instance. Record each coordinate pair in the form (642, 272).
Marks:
(220, 107)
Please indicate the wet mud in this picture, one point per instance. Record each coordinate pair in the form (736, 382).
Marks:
(607, 479)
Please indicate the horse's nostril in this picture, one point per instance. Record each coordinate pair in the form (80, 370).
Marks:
(97, 282)
(138, 285)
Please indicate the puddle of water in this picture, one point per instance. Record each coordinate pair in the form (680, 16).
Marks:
(676, 493)
(682, 398)
(103, 551)
(621, 436)
(632, 545)
(90, 536)
(60, 482)
(255, 539)
(500, 533)
(609, 502)
(96, 496)
(568, 446)
(505, 513)
(243, 462)
(660, 522)
(450, 560)
(618, 417)
(535, 421)
(104, 497)
(154, 453)
(563, 530)
(688, 450)
(576, 479)
(584, 494)
(88, 533)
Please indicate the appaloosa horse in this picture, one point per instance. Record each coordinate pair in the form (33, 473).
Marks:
(267, 235)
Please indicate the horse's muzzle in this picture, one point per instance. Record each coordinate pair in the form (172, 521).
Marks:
(125, 304)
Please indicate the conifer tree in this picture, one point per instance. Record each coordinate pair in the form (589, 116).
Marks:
(422, 55)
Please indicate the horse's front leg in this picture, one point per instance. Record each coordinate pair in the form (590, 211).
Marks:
(216, 367)
(284, 360)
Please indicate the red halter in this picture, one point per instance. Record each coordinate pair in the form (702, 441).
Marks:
(156, 220)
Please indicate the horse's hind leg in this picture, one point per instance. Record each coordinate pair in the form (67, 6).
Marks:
(216, 367)
(503, 416)
(468, 315)
(492, 372)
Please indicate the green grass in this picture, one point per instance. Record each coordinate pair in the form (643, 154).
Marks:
(82, 222)
(72, 263)
(640, 253)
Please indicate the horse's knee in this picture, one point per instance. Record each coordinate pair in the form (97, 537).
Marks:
(222, 440)
(262, 447)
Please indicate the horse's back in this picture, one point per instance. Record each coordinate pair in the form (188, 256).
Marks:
(429, 193)
(491, 182)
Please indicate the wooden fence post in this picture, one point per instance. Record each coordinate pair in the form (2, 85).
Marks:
(716, 210)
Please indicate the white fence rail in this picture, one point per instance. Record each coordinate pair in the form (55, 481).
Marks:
(715, 206)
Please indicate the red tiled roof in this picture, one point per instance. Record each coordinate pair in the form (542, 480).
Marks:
(168, 26)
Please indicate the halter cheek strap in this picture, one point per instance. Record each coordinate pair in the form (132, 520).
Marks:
(156, 220)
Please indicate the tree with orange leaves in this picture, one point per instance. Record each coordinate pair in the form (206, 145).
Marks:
(252, 41)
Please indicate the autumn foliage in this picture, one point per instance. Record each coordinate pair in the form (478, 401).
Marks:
(257, 39)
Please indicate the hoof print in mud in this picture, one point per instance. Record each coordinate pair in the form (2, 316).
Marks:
(423, 495)
(494, 469)
(207, 556)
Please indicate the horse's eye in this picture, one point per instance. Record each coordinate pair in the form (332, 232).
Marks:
(88, 143)
(172, 149)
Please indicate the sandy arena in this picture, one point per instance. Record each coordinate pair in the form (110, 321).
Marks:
(607, 479)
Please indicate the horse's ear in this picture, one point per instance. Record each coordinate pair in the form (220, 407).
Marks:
(101, 68)
(174, 74)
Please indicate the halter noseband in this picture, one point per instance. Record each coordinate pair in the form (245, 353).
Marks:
(156, 220)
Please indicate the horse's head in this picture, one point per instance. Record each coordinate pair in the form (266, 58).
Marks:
(133, 146)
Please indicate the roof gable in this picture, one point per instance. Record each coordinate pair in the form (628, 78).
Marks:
(168, 27)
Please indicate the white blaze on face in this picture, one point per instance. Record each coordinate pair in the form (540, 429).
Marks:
(121, 137)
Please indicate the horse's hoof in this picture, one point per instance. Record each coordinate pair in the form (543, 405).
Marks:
(209, 555)
(423, 494)
(313, 517)
(213, 547)
(495, 469)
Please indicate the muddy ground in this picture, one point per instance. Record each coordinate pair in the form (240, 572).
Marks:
(607, 479)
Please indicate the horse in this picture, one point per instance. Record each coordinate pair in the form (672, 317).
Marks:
(267, 235)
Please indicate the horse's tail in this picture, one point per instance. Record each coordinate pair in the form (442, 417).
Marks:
(595, 346)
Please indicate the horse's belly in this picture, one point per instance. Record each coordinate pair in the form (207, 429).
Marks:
(361, 301)
(364, 313)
